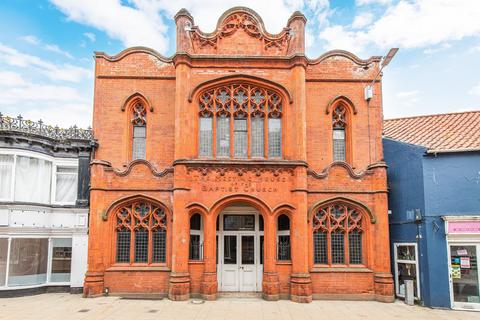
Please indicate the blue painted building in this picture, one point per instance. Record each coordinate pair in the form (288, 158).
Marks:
(434, 200)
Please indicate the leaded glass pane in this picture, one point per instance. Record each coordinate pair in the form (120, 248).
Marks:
(274, 137)
(195, 222)
(338, 249)
(123, 245)
(339, 147)
(206, 137)
(223, 137)
(159, 247)
(355, 247)
(141, 245)
(195, 247)
(240, 138)
(257, 137)
(139, 142)
(320, 248)
(283, 248)
(283, 223)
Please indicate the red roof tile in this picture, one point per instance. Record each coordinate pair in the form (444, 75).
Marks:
(447, 132)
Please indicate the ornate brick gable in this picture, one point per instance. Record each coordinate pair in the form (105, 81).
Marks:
(239, 31)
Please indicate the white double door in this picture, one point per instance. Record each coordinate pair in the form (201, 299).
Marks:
(240, 268)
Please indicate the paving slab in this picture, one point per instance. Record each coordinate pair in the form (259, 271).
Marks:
(63, 306)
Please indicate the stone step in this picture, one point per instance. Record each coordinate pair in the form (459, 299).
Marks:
(224, 295)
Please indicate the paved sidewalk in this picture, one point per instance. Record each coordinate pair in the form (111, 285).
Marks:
(66, 306)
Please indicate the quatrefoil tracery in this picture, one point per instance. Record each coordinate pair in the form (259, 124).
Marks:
(337, 218)
(139, 114)
(141, 215)
(339, 117)
(240, 100)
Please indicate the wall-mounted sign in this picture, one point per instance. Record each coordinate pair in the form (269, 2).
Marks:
(464, 227)
(465, 262)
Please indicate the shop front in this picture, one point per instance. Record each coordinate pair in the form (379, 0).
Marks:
(463, 246)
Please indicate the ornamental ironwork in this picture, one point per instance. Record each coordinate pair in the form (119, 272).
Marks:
(38, 128)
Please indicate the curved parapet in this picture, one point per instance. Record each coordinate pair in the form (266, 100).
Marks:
(253, 40)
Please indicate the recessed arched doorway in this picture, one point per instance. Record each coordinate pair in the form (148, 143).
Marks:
(240, 253)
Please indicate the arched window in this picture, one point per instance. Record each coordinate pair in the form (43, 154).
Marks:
(139, 130)
(196, 237)
(335, 228)
(240, 121)
(283, 238)
(141, 233)
(339, 123)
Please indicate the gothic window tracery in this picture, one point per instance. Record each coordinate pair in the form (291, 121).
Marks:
(232, 122)
(141, 233)
(139, 122)
(338, 235)
(339, 124)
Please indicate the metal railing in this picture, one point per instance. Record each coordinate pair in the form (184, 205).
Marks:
(19, 124)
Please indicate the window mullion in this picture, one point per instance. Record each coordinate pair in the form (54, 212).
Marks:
(249, 128)
(150, 240)
(232, 126)
(214, 129)
(132, 235)
(265, 130)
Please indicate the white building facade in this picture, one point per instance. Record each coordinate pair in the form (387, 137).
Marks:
(44, 182)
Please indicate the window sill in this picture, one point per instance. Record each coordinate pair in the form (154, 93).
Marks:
(138, 268)
(285, 262)
(345, 269)
(196, 262)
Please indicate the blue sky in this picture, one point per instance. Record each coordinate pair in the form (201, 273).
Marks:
(46, 47)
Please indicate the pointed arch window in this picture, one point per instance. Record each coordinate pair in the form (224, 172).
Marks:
(283, 238)
(196, 237)
(339, 123)
(240, 121)
(139, 130)
(338, 235)
(141, 229)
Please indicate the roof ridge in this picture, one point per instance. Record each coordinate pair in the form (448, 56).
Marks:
(433, 115)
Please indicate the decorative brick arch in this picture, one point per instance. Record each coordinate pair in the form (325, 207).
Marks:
(240, 78)
(362, 208)
(340, 100)
(133, 98)
(252, 201)
(129, 199)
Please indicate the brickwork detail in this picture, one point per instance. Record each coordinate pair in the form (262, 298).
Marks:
(238, 73)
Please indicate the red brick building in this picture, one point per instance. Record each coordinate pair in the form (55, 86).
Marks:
(238, 164)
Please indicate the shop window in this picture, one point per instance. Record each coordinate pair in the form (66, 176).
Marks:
(196, 237)
(144, 222)
(406, 267)
(3, 260)
(465, 275)
(139, 135)
(61, 260)
(283, 238)
(28, 262)
(6, 176)
(32, 180)
(339, 133)
(338, 235)
(66, 184)
(240, 111)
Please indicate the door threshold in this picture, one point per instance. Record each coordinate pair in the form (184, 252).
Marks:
(236, 294)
